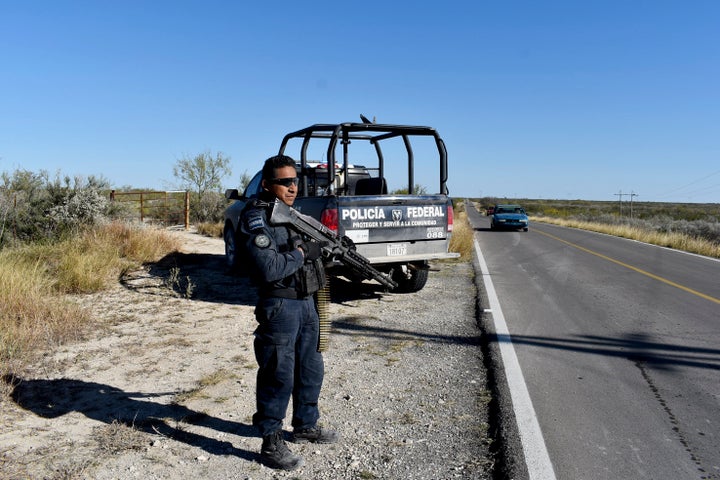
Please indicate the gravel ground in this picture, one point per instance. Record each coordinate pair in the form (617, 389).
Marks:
(164, 388)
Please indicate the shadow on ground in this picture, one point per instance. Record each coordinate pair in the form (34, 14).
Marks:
(205, 277)
(105, 403)
(198, 276)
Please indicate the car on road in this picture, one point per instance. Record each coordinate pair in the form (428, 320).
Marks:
(509, 217)
(490, 211)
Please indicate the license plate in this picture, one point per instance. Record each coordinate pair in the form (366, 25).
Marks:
(397, 249)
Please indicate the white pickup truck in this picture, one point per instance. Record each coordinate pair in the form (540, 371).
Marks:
(347, 191)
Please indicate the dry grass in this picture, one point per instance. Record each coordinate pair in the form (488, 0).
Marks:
(34, 315)
(676, 240)
(140, 245)
(118, 437)
(55, 465)
(210, 229)
(462, 236)
(203, 384)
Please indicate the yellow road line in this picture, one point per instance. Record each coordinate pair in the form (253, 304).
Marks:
(639, 270)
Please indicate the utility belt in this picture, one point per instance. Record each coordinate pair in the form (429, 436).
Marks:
(282, 293)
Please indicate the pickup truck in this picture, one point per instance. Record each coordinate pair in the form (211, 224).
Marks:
(345, 188)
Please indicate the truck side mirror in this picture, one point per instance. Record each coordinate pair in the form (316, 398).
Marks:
(232, 194)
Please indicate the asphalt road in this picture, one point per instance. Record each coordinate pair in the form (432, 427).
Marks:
(619, 346)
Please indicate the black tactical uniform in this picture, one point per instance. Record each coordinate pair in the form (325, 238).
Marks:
(286, 338)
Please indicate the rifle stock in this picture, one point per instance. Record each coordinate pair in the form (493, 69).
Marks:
(340, 248)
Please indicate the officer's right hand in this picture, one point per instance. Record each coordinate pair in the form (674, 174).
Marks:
(312, 250)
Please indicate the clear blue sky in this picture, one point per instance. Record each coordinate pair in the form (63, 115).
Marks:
(543, 99)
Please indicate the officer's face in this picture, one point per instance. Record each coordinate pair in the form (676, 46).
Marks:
(283, 186)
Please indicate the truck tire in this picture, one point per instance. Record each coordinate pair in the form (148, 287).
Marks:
(410, 279)
(231, 249)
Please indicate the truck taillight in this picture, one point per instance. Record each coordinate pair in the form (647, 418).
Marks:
(329, 218)
(450, 218)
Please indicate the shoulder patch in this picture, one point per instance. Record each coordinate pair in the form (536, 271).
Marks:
(255, 223)
(262, 241)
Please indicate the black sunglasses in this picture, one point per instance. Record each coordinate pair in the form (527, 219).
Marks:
(285, 182)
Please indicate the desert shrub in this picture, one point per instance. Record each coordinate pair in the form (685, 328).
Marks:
(208, 207)
(35, 208)
(25, 202)
(6, 206)
(701, 229)
(551, 211)
(79, 208)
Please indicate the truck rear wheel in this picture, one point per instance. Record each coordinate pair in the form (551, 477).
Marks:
(231, 252)
(410, 277)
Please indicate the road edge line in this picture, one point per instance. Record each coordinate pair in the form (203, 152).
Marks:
(537, 459)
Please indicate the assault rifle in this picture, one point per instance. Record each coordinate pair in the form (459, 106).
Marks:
(335, 247)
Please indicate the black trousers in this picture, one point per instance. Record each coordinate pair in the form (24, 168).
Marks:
(289, 364)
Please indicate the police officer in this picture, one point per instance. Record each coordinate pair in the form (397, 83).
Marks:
(287, 271)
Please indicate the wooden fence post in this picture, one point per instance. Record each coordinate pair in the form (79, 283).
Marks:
(187, 209)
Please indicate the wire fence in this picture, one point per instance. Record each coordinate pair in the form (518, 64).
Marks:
(167, 208)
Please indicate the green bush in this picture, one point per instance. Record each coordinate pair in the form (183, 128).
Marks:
(80, 208)
(208, 207)
(35, 208)
(24, 200)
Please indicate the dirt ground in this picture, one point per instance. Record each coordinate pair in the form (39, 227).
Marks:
(164, 386)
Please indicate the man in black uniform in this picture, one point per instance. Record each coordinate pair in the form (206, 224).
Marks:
(287, 272)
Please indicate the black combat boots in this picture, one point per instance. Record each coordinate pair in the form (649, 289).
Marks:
(315, 435)
(276, 454)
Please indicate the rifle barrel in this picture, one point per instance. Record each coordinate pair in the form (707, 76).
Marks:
(284, 214)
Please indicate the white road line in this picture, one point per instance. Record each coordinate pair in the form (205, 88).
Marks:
(536, 455)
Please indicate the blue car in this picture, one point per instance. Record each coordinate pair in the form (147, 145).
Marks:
(509, 217)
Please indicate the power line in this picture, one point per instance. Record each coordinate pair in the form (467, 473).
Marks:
(631, 195)
(668, 193)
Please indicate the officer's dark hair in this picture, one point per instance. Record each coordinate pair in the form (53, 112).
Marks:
(278, 161)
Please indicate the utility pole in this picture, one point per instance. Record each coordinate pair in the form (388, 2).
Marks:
(620, 195)
(632, 194)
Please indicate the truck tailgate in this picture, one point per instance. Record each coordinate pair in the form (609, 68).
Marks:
(390, 228)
